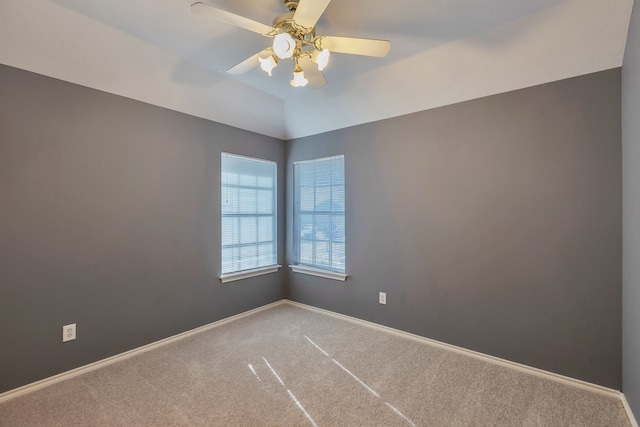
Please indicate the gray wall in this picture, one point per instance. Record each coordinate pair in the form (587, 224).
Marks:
(493, 224)
(631, 212)
(109, 218)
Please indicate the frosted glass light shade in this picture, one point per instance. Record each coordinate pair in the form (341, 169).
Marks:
(299, 80)
(321, 57)
(268, 64)
(284, 45)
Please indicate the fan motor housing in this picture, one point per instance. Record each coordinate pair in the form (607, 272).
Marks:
(285, 24)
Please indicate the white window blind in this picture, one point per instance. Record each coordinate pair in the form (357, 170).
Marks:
(248, 213)
(319, 209)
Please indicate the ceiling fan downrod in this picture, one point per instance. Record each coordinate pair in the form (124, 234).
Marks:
(291, 5)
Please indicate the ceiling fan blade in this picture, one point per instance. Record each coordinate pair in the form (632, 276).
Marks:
(233, 19)
(311, 72)
(249, 63)
(308, 13)
(355, 46)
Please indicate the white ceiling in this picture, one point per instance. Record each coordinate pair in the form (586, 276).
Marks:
(442, 52)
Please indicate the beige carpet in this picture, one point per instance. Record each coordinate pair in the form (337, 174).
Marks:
(288, 366)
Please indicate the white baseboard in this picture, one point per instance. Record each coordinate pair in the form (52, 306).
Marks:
(122, 356)
(487, 358)
(632, 418)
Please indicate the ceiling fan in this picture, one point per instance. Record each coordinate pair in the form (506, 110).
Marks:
(294, 37)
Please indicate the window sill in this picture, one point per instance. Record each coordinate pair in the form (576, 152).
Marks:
(318, 272)
(230, 277)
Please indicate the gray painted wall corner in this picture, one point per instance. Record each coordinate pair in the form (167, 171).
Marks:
(112, 201)
(631, 209)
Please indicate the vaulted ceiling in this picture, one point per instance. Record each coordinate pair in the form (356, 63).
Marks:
(442, 52)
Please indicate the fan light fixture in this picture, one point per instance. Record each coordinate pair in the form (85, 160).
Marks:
(299, 80)
(294, 37)
(321, 57)
(268, 64)
(284, 45)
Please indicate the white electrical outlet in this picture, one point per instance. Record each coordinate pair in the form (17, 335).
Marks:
(69, 332)
(383, 298)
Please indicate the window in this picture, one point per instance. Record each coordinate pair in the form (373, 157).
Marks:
(319, 217)
(248, 200)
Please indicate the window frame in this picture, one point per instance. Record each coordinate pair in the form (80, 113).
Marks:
(326, 271)
(251, 272)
